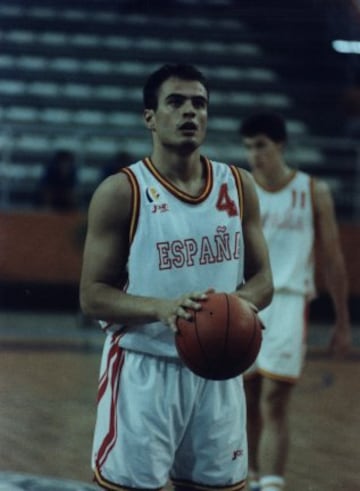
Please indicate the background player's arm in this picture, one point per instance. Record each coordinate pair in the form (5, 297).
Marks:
(258, 287)
(334, 272)
(104, 264)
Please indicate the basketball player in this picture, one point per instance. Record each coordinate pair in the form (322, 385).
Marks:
(163, 233)
(295, 208)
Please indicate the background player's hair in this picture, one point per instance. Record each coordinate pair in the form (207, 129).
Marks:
(267, 123)
(157, 78)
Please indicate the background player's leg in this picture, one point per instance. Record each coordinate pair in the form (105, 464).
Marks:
(254, 427)
(275, 435)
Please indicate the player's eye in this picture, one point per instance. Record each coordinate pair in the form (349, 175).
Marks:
(199, 102)
(175, 101)
(261, 145)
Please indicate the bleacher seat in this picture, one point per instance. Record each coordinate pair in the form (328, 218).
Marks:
(85, 117)
(19, 114)
(43, 89)
(11, 87)
(55, 116)
(37, 143)
(27, 62)
(50, 38)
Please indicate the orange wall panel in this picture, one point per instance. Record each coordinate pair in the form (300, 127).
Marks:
(47, 248)
(40, 247)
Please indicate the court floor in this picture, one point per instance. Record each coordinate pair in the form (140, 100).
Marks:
(48, 382)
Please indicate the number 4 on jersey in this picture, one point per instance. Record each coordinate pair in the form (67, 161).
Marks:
(225, 203)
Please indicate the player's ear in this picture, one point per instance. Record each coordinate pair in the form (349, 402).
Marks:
(281, 146)
(149, 118)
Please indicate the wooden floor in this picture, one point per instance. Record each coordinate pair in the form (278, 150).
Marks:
(47, 411)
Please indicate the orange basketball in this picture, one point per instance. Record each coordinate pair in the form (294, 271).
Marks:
(223, 338)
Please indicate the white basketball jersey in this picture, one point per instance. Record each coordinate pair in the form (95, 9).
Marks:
(288, 224)
(180, 243)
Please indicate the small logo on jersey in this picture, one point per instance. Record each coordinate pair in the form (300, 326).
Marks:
(152, 195)
(160, 208)
(237, 453)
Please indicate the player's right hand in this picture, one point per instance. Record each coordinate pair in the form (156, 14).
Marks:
(170, 310)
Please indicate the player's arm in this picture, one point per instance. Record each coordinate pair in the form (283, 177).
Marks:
(258, 287)
(104, 263)
(329, 250)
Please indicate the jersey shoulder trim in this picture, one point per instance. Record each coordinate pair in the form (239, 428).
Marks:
(135, 208)
(240, 188)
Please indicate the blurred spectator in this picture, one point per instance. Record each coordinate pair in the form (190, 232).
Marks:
(58, 184)
(121, 159)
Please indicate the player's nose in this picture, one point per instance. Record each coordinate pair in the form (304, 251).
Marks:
(188, 107)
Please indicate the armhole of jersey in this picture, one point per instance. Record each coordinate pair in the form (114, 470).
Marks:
(135, 202)
(312, 197)
(240, 187)
(314, 213)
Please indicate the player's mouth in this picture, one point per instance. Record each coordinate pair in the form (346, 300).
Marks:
(188, 127)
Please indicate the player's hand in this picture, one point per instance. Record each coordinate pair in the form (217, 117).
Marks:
(252, 306)
(340, 340)
(243, 297)
(172, 309)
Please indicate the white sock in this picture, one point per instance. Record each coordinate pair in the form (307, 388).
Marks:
(254, 485)
(272, 483)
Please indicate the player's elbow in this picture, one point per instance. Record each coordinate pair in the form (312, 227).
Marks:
(88, 301)
(268, 291)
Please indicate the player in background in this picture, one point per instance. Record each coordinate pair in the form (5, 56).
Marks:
(297, 213)
(162, 233)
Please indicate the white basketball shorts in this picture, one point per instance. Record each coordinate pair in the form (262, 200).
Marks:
(283, 348)
(157, 420)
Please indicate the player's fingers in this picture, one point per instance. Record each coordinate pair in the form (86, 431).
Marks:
(172, 323)
(198, 295)
(183, 312)
(190, 301)
(253, 307)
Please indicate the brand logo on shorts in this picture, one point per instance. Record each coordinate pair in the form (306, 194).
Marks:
(237, 453)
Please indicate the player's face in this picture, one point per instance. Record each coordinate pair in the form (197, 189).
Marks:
(180, 119)
(262, 153)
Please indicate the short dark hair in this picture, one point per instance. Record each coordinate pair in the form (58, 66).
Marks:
(157, 78)
(268, 123)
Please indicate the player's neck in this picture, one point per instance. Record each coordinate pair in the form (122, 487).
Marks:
(176, 166)
(186, 172)
(275, 177)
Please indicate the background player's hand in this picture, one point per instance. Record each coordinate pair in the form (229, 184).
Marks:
(171, 309)
(340, 340)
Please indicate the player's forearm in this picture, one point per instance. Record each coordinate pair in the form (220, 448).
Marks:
(101, 301)
(337, 285)
(258, 290)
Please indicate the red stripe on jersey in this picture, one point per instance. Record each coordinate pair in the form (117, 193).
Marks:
(105, 377)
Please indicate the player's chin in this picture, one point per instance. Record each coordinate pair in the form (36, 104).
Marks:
(192, 141)
(188, 146)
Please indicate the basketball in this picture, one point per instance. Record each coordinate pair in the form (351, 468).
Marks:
(222, 339)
